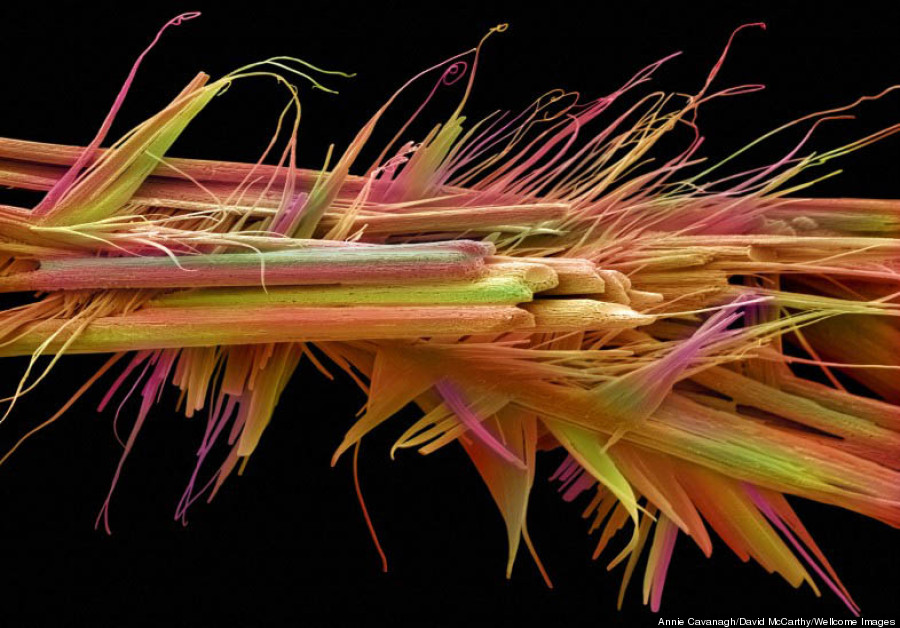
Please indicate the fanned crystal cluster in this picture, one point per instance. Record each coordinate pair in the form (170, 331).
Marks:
(533, 281)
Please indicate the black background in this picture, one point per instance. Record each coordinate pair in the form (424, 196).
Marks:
(286, 544)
